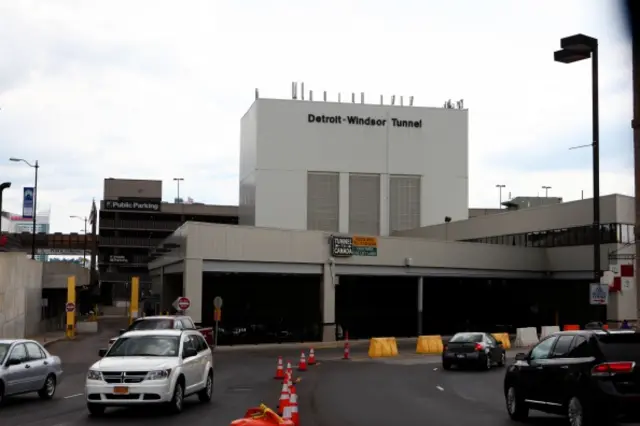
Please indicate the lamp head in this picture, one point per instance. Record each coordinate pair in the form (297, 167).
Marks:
(5, 185)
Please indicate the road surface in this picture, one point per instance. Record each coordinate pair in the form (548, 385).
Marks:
(407, 390)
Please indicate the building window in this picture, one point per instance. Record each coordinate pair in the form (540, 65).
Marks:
(323, 201)
(364, 204)
(404, 203)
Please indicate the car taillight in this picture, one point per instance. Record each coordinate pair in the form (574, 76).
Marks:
(610, 368)
(479, 347)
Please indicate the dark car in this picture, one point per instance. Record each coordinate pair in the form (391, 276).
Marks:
(590, 376)
(475, 349)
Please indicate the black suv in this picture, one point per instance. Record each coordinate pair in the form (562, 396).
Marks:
(590, 376)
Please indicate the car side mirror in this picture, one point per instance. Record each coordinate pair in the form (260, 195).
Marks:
(521, 357)
(14, 361)
(189, 353)
(122, 331)
(102, 352)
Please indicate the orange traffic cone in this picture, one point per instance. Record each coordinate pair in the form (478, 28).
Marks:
(293, 409)
(346, 346)
(279, 370)
(290, 380)
(284, 398)
(312, 357)
(289, 369)
(302, 365)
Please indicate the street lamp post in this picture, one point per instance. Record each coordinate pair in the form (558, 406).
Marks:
(178, 180)
(500, 192)
(546, 191)
(84, 249)
(35, 166)
(576, 48)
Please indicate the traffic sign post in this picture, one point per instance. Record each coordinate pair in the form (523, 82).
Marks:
(182, 304)
(70, 307)
(217, 316)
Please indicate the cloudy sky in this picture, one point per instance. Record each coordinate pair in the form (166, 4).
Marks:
(155, 89)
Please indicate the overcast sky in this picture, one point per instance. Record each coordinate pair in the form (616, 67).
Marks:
(155, 89)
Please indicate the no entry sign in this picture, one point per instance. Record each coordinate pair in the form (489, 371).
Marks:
(70, 307)
(182, 303)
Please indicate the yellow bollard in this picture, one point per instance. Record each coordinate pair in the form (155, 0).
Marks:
(71, 307)
(135, 294)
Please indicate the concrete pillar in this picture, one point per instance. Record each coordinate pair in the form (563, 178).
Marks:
(192, 287)
(343, 204)
(384, 204)
(420, 303)
(328, 308)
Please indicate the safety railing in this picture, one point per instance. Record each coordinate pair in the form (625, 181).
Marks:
(140, 224)
(130, 241)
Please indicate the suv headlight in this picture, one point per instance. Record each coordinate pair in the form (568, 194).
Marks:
(94, 375)
(158, 375)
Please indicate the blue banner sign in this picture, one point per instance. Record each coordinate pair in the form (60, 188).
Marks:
(27, 202)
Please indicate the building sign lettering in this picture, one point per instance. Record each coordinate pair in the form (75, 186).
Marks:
(365, 246)
(118, 258)
(363, 121)
(151, 206)
(341, 246)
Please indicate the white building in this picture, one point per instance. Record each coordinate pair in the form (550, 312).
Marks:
(352, 168)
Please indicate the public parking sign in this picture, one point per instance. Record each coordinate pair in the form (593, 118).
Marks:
(182, 303)
(70, 307)
(599, 294)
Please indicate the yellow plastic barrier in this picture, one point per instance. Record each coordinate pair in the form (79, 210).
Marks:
(504, 338)
(380, 347)
(429, 345)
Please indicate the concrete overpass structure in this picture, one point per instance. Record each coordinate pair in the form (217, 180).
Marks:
(55, 244)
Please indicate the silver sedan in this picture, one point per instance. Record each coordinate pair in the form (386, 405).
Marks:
(26, 366)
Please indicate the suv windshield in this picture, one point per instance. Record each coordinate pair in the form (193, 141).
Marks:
(4, 349)
(620, 346)
(145, 346)
(466, 338)
(152, 324)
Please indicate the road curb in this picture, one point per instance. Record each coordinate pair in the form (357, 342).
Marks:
(52, 341)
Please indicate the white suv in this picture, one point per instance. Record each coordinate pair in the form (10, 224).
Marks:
(151, 367)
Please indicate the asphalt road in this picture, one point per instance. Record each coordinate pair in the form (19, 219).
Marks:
(409, 389)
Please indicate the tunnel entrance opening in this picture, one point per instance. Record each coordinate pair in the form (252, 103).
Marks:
(370, 306)
(388, 306)
(263, 308)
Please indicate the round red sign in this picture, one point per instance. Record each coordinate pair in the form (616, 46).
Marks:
(184, 303)
(70, 307)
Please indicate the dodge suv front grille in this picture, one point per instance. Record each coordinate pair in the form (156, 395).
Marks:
(124, 376)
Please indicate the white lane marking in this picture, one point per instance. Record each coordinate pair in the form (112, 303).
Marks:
(440, 388)
(73, 396)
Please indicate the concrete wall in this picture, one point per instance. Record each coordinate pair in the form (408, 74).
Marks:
(55, 274)
(223, 242)
(20, 295)
(555, 216)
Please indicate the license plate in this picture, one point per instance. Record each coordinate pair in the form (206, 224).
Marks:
(461, 356)
(121, 390)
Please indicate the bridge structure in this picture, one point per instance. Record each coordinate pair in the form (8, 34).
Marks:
(52, 244)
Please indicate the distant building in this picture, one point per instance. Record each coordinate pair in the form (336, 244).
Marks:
(132, 220)
(15, 223)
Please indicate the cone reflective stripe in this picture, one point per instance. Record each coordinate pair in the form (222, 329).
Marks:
(312, 357)
(280, 370)
(302, 365)
(284, 398)
(293, 409)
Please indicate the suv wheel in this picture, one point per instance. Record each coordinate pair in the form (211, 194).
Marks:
(205, 394)
(516, 407)
(487, 364)
(177, 401)
(446, 365)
